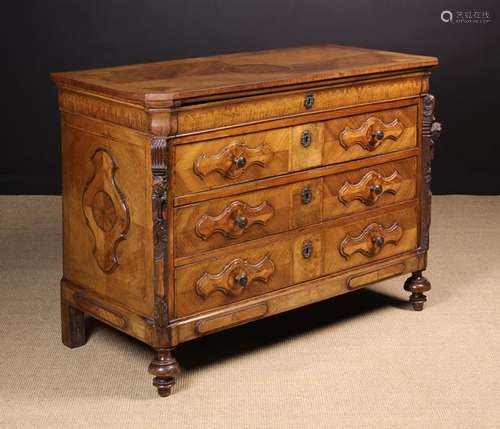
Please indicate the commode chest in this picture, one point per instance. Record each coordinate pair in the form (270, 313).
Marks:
(205, 193)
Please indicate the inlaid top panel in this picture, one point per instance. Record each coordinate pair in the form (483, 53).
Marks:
(163, 83)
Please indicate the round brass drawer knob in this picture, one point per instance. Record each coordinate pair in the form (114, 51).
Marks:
(241, 221)
(378, 241)
(240, 161)
(376, 189)
(241, 279)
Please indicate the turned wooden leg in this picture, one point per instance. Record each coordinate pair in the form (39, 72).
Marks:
(164, 367)
(72, 325)
(417, 284)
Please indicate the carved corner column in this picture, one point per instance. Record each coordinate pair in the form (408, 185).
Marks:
(164, 367)
(159, 157)
(431, 131)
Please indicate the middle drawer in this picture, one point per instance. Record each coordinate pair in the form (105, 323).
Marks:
(222, 222)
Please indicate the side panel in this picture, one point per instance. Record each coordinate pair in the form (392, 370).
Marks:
(108, 249)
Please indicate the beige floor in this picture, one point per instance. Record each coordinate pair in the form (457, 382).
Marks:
(362, 360)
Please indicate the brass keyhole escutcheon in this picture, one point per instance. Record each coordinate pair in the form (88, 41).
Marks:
(306, 138)
(307, 249)
(309, 100)
(307, 195)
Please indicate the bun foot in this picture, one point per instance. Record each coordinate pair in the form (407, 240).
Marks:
(164, 367)
(164, 385)
(417, 301)
(417, 285)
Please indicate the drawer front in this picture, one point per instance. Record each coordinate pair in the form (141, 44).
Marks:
(251, 109)
(370, 134)
(256, 268)
(226, 221)
(232, 276)
(227, 161)
(367, 188)
(370, 239)
(237, 159)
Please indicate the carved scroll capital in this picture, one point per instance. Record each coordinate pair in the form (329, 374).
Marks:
(234, 220)
(371, 133)
(235, 277)
(371, 241)
(370, 188)
(233, 160)
(106, 210)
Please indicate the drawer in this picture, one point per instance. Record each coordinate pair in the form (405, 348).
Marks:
(253, 269)
(229, 277)
(214, 115)
(370, 239)
(225, 221)
(227, 161)
(366, 188)
(370, 134)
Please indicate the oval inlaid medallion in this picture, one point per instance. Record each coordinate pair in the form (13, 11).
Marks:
(103, 211)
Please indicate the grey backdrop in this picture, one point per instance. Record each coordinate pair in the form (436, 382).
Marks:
(56, 35)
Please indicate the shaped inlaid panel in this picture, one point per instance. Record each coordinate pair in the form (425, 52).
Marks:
(370, 188)
(371, 240)
(106, 211)
(234, 220)
(371, 133)
(235, 277)
(233, 160)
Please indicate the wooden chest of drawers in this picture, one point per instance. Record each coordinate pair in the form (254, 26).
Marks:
(205, 193)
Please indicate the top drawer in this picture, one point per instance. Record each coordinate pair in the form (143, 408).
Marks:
(227, 161)
(227, 113)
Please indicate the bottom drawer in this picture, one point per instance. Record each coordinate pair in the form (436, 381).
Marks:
(252, 269)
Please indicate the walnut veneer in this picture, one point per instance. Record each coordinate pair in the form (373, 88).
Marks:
(204, 193)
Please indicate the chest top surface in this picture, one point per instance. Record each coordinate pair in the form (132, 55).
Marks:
(163, 84)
